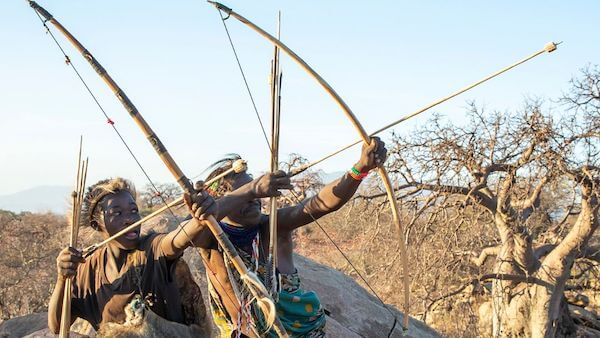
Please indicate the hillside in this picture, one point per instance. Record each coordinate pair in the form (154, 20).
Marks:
(52, 198)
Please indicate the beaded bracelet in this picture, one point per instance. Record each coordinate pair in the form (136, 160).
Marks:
(357, 175)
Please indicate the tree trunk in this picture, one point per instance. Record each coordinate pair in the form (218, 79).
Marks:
(530, 310)
(526, 304)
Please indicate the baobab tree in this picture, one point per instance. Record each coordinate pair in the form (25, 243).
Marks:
(515, 168)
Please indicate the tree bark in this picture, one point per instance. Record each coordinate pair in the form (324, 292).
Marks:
(537, 308)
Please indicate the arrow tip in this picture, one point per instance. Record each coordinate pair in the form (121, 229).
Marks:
(219, 6)
(551, 46)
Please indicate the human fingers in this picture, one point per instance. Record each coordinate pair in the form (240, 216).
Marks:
(288, 186)
(67, 261)
(68, 272)
(70, 254)
(274, 193)
(208, 209)
(70, 258)
(372, 145)
(207, 206)
(279, 173)
(201, 196)
(282, 181)
(67, 265)
(77, 258)
(188, 200)
(381, 155)
(377, 141)
(203, 205)
(197, 200)
(74, 252)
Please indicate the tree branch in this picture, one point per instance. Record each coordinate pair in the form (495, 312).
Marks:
(533, 198)
(485, 253)
(476, 196)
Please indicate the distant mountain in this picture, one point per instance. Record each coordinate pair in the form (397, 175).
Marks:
(38, 199)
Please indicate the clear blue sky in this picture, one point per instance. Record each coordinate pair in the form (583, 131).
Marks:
(385, 58)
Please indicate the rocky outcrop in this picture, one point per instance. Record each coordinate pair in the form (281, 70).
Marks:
(22, 326)
(353, 312)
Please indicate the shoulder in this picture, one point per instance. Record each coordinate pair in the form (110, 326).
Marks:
(152, 245)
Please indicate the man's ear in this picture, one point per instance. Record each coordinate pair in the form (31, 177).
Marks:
(97, 223)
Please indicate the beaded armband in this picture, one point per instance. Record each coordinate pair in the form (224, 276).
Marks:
(357, 175)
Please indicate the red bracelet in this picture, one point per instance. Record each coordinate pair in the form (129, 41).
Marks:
(357, 175)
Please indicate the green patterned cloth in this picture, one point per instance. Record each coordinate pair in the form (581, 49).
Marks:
(299, 311)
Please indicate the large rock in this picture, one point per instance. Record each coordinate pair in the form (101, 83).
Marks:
(36, 325)
(22, 326)
(353, 312)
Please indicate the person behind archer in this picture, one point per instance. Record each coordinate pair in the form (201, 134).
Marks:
(299, 310)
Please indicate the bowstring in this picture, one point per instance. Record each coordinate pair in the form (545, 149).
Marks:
(111, 122)
(292, 192)
(237, 59)
(360, 275)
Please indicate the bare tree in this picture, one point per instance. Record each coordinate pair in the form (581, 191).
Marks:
(496, 167)
(30, 243)
(150, 198)
(305, 184)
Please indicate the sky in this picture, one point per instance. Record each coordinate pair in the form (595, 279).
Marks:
(385, 58)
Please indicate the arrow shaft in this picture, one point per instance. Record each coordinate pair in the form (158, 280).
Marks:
(419, 111)
(270, 281)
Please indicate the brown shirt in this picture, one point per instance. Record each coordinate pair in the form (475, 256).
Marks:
(146, 271)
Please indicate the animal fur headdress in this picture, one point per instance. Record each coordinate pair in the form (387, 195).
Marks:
(90, 211)
(220, 187)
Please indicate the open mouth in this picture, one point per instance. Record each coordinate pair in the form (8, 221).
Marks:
(131, 235)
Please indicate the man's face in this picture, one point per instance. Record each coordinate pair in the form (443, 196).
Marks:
(249, 213)
(119, 211)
